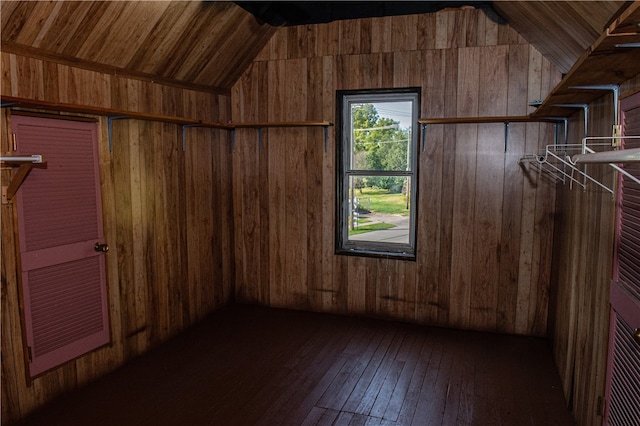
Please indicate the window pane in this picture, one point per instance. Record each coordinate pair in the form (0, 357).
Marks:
(379, 209)
(376, 211)
(381, 136)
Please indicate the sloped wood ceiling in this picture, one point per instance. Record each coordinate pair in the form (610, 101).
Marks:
(206, 45)
(560, 30)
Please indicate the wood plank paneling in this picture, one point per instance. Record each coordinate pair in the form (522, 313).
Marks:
(488, 209)
(313, 165)
(294, 97)
(167, 219)
(475, 225)
(464, 178)
(584, 241)
(431, 177)
(512, 222)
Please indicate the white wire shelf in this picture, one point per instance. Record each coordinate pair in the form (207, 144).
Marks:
(567, 163)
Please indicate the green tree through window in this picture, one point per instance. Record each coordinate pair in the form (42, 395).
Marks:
(380, 144)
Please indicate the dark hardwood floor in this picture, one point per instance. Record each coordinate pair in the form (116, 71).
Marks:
(248, 365)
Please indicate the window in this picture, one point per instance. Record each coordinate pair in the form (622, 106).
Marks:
(377, 158)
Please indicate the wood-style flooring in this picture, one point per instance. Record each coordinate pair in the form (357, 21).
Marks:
(249, 365)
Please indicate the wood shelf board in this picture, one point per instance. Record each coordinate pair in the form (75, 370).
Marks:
(483, 120)
(83, 109)
(628, 20)
(259, 125)
(602, 64)
(108, 112)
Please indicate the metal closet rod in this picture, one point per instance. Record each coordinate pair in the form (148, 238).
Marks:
(11, 101)
(588, 155)
(35, 159)
(620, 156)
(482, 120)
(114, 114)
(506, 120)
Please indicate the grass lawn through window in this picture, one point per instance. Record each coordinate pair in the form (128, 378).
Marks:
(368, 228)
(381, 202)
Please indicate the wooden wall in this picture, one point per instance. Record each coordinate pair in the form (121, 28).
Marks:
(484, 225)
(167, 219)
(582, 273)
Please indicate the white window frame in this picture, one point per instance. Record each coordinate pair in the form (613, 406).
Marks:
(344, 100)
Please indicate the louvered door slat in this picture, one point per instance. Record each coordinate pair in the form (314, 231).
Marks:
(623, 375)
(629, 238)
(60, 201)
(625, 379)
(60, 219)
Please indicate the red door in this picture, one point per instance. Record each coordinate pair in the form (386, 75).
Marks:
(623, 375)
(60, 221)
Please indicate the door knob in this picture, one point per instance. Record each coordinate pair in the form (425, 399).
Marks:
(101, 247)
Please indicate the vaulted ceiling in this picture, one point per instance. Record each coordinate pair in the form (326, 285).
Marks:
(561, 31)
(207, 45)
(203, 44)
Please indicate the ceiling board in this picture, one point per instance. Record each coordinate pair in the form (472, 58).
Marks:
(602, 64)
(209, 44)
(193, 43)
(560, 30)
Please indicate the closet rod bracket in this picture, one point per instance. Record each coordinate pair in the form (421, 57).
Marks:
(110, 128)
(233, 140)
(506, 135)
(25, 165)
(184, 134)
(326, 139)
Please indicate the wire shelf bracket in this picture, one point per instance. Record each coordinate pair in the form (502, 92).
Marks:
(564, 163)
